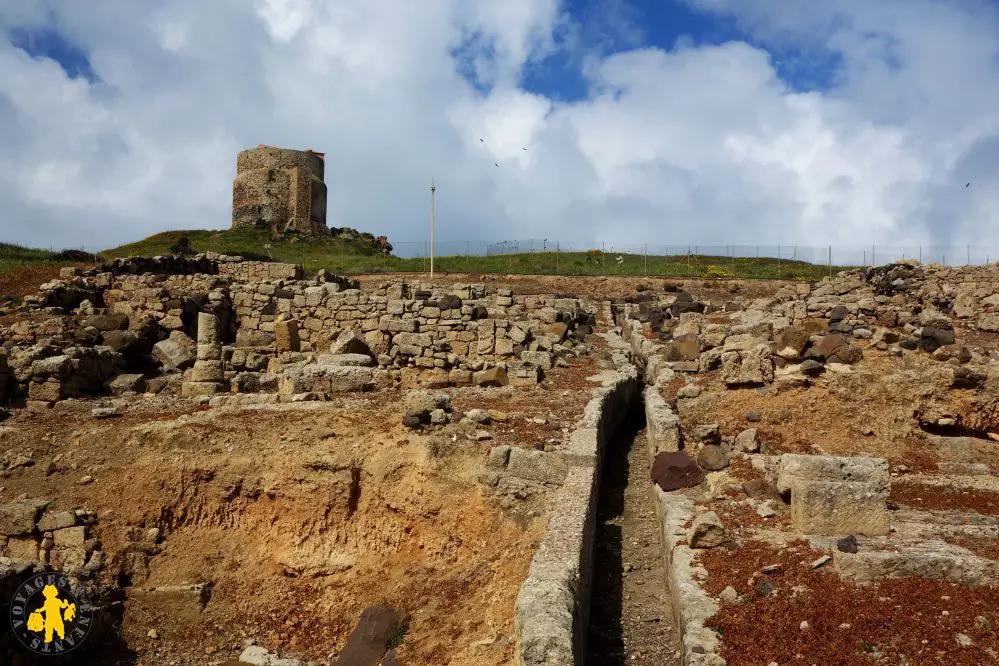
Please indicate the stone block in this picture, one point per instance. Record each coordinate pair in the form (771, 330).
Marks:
(837, 508)
(179, 603)
(541, 359)
(22, 548)
(491, 377)
(70, 537)
(208, 329)
(206, 371)
(19, 517)
(199, 389)
(537, 466)
(358, 360)
(350, 342)
(706, 531)
(794, 466)
(48, 391)
(57, 521)
(176, 352)
(457, 377)
(286, 335)
(125, 383)
(498, 457)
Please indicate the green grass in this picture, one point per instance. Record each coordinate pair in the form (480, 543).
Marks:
(357, 256)
(15, 256)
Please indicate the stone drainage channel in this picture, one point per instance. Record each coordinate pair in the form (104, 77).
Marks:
(603, 587)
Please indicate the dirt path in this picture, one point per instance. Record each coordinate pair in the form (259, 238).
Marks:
(630, 619)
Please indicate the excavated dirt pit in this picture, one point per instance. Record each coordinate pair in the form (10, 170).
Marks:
(297, 517)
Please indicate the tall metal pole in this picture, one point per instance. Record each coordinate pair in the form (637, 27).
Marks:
(433, 215)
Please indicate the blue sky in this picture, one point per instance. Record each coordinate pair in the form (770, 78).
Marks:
(49, 42)
(617, 26)
(738, 121)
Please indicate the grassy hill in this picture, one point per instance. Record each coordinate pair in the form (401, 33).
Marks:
(353, 254)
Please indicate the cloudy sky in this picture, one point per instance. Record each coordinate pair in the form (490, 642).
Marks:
(851, 122)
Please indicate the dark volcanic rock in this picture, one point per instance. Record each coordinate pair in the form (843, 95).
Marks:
(369, 641)
(847, 544)
(674, 470)
(931, 339)
(812, 367)
(838, 313)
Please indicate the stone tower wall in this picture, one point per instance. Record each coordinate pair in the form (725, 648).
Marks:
(279, 188)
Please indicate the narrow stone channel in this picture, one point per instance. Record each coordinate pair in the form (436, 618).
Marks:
(630, 617)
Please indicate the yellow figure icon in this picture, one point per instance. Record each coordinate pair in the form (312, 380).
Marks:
(49, 618)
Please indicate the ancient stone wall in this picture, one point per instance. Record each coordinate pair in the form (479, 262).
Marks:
(279, 189)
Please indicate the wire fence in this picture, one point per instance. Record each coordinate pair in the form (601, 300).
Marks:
(553, 257)
(545, 256)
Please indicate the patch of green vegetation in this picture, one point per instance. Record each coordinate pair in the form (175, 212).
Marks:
(399, 637)
(16, 256)
(353, 254)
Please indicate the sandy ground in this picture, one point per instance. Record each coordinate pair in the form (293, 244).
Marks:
(300, 516)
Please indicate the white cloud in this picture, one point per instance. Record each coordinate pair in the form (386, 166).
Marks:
(698, 145)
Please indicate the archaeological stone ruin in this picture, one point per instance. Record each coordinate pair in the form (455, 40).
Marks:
(280, 189)
(795, 439)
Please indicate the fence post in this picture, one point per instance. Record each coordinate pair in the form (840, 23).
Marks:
(872, 257)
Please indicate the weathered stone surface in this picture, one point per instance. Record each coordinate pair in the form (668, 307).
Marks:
(968, 378)
(537, 466)
(255, 655)
(752, 367)
(707, 531)
(206, 371)
(181, 603)
(930, 338)
(350, 342)
(827, 346)
(683, 348)
(792, 466)
(208, 329)
(491, 377)
(326, 378)
(358, 360)
(833, 508)
(746, 441)
(421, 401)
(19, 517)
(176, 352)
(57, 521)
(672, 470)
(712, 457)
(790, 343)
(124, 383)
(286, 338)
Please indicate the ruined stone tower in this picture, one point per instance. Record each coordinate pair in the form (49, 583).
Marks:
(280, 189)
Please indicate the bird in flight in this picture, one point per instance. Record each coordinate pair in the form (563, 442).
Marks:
(496, 163)
(967, 186)
(482, 140)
